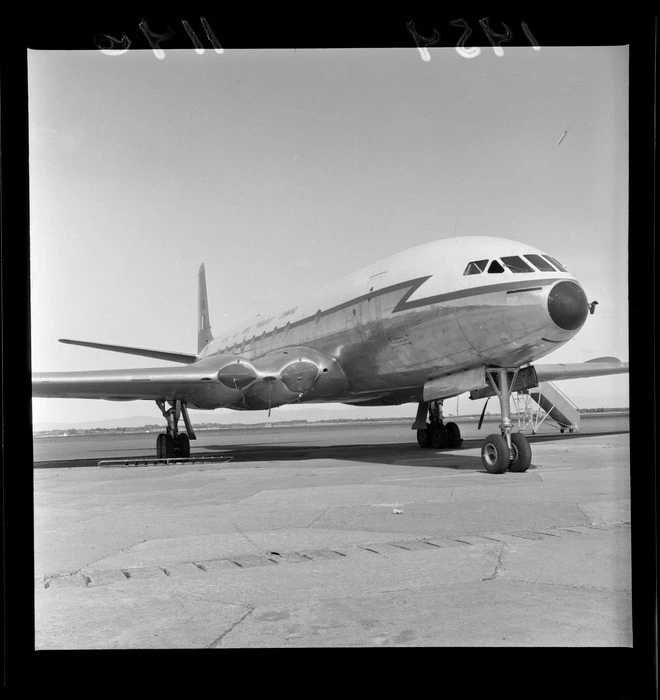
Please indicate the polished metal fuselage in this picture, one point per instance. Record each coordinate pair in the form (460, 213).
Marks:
(411, 318)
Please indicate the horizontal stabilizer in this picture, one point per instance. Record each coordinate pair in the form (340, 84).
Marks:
(144, 352)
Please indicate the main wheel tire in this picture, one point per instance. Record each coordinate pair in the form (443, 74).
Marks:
(453, 435)
(495, 454)
(168, 446)
(184, 445)
(439, 436)
(521, 453)
(160, 446)
(424, 437)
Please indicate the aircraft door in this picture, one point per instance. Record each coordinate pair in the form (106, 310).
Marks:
(370, 315)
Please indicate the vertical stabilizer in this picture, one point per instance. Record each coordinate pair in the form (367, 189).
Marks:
(204, 334)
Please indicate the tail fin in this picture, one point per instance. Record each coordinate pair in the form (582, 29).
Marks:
(204, 334)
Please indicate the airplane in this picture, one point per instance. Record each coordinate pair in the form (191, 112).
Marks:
(463, 314)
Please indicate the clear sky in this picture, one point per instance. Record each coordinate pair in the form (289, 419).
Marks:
(283, 170)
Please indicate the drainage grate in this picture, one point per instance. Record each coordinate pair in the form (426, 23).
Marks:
(150, 462)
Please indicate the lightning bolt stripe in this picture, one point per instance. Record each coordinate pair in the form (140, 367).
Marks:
(405, 305)
(411, 286)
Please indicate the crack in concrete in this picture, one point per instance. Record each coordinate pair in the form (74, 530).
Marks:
(575, 586)
(218, 641)
(81, 569)
(48, 578)
(589, 521)
(88, 577)
(318, 517)
(498, 565)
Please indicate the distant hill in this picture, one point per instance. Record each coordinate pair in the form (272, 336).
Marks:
(227, 417)
(304, 413)
(132, 422)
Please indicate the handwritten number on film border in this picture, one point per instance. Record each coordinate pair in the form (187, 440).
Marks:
(460, 46)
(423, 50)
(117, 47)
(496, 39)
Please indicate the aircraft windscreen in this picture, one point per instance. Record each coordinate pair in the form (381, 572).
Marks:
(495, 267)
(476, 267)
(556, 263)
(540, 263)
(516, 264)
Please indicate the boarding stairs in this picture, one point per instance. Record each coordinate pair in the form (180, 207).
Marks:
(546, 402)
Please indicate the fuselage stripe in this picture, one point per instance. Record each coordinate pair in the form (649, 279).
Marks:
(526, 289)
(412, 286)
(404, 304)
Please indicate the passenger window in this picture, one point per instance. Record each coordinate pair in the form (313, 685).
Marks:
(556, 263)
(540, 263)
(516, 264)
(495, 266)
(476, 267)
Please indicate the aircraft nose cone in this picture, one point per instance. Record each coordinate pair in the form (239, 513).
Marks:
(568, 305)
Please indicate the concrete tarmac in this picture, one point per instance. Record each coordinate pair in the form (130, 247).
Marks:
(369, 546)
(287, 442)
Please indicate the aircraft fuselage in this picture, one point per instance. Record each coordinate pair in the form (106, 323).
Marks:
(412, 317)
(386, 334)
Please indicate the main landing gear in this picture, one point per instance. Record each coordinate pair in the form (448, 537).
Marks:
(435, 433)
(509, 450)
(172, 443)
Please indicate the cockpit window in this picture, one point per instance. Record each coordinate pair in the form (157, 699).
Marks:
(556, 263)
(495, 266)
(516, 264)
(540, 263)
(476, 267)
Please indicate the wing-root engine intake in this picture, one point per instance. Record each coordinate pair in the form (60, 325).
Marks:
(283, 377)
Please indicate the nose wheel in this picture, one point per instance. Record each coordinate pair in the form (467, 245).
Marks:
(508, 450)
(521, 453)
(495, 454)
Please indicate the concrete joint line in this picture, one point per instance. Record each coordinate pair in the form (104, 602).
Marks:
(575, 587)
(318, 517)
(218, 641)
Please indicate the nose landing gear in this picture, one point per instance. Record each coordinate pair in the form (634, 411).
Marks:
(172, 443)
(509, 450)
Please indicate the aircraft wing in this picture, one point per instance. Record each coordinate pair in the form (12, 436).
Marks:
(598, 367)
(280, 377)
(194, 383)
